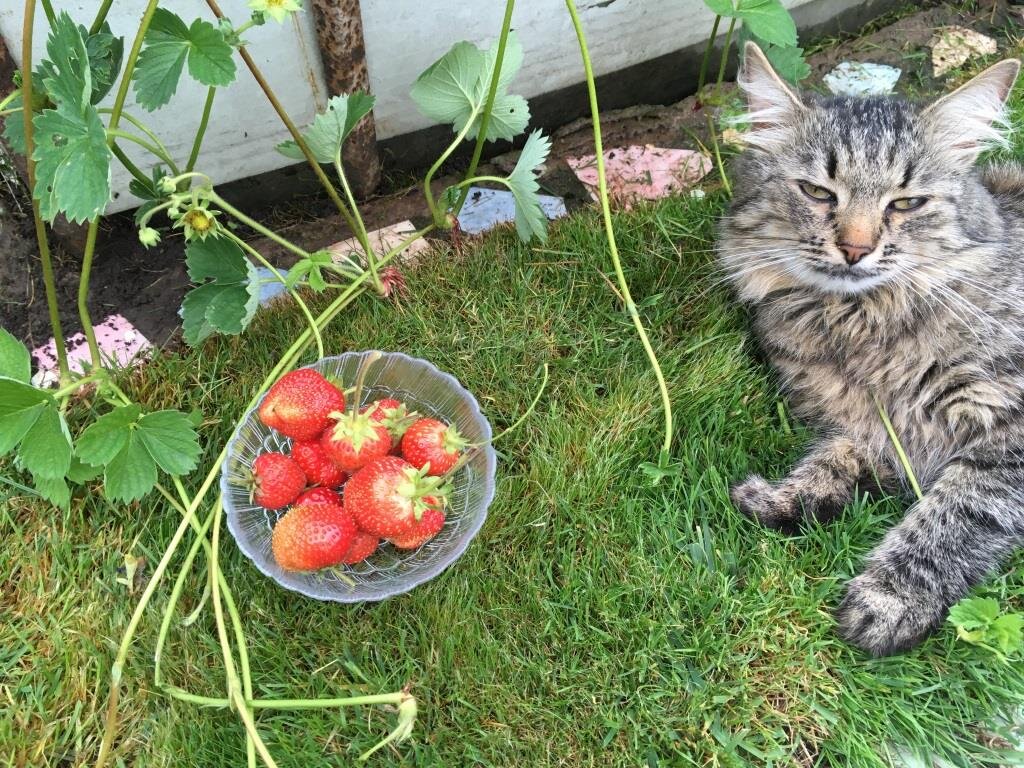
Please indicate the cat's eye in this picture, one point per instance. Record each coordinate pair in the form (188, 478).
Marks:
(816, 193)
(907, 203)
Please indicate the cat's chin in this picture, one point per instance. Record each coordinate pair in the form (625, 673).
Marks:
(842, 285)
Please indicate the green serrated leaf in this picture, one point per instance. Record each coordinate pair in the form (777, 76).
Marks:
(105, 53)
(1007, 633)
(45, 450)
(974, 612)
(66, 74)
(80, 472)
(769, 20)
(454, 90)
(218, 259)
(228, 310)
(194, 324)
(72, 164)
(14, 128)
(168, 44)
(15, 362)
(329, 129)
(106, 436)
(131, 474)
(53, 489)
(20, 407)
(169, 438)
(721, 7)
(788, 62)
(530, 218)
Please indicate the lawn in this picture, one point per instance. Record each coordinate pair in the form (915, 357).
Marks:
(597, 620)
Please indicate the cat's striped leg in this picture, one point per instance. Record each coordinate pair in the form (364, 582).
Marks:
(961, 529)
(817, 489)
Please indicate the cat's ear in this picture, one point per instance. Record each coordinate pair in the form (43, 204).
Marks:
(973, 116)
(772, 106)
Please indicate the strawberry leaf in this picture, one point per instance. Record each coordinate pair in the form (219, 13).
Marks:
(329, 129)
(14, 359)
(229, 302)
(20, 407)
(105, 53)
(788, 62)
(54, 489)
(1007, 633)
(106, 436)
(170, 440)
(454, 90)
(80, 472)
(721, 7)
(72, 164)
(46, 447)
(131, 473)
(66, 75)
(168, 45)
(530, 219)
(769, 20)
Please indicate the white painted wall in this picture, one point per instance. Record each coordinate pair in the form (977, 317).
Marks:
(402, 37)
(243, 127)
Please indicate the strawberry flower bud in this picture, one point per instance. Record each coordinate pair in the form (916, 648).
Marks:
(167, 185)
(149, 236)
(278, 10)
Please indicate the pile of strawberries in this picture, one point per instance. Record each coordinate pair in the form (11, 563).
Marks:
(353, 477)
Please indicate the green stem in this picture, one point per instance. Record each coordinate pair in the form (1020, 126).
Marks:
(349, 701)
(725, 56)
(707, 55)
(253, 224)
(898, 446)
(49, 284)
(492, 92)
(51, 17)
(152, 148)
(361, 234)
(204, 121)
(101, 16)
(290, 125)
(77, 383)
(478, 179)
(610, 231)
(112, 132)
(438, 215)
(9, 98)
(145, 129)
(713, 133)
(291, 291)
(126, 161)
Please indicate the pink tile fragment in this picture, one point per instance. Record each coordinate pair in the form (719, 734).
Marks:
(642, 173)
(121, 344)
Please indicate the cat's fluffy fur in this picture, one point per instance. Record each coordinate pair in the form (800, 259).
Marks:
(930, 322)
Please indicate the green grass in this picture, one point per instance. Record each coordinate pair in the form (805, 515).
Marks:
(596, 620)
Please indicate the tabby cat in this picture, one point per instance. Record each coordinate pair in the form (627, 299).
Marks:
(882, 268)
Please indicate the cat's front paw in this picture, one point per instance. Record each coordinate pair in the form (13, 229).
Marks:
(880, 620)
(759, 500)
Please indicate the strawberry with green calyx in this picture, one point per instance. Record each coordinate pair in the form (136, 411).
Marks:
(300, 404)
(312, 536)
(388, 497)
(363, 545)
(392, 414)
(320, 469)
(434, 445)
(429, 526)
(319, 495)
(355, 439)
(275, 480)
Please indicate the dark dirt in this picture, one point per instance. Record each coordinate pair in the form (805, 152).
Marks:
(146, 286)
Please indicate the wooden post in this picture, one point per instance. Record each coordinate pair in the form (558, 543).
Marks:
(339, 28)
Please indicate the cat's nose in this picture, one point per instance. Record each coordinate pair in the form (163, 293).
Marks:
(854, 253)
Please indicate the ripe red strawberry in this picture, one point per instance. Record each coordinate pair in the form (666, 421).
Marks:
(391, 414)
(276, 480)
(434, 442)
(354, 441)
(389, 496)
(364, 545)
(300, 403)
(319, 495)
(428, 527)
(312, 536)
(317, 465)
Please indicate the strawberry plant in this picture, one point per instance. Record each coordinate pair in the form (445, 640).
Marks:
(88, 430)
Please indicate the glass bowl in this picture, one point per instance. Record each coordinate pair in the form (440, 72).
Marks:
(388, 571)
